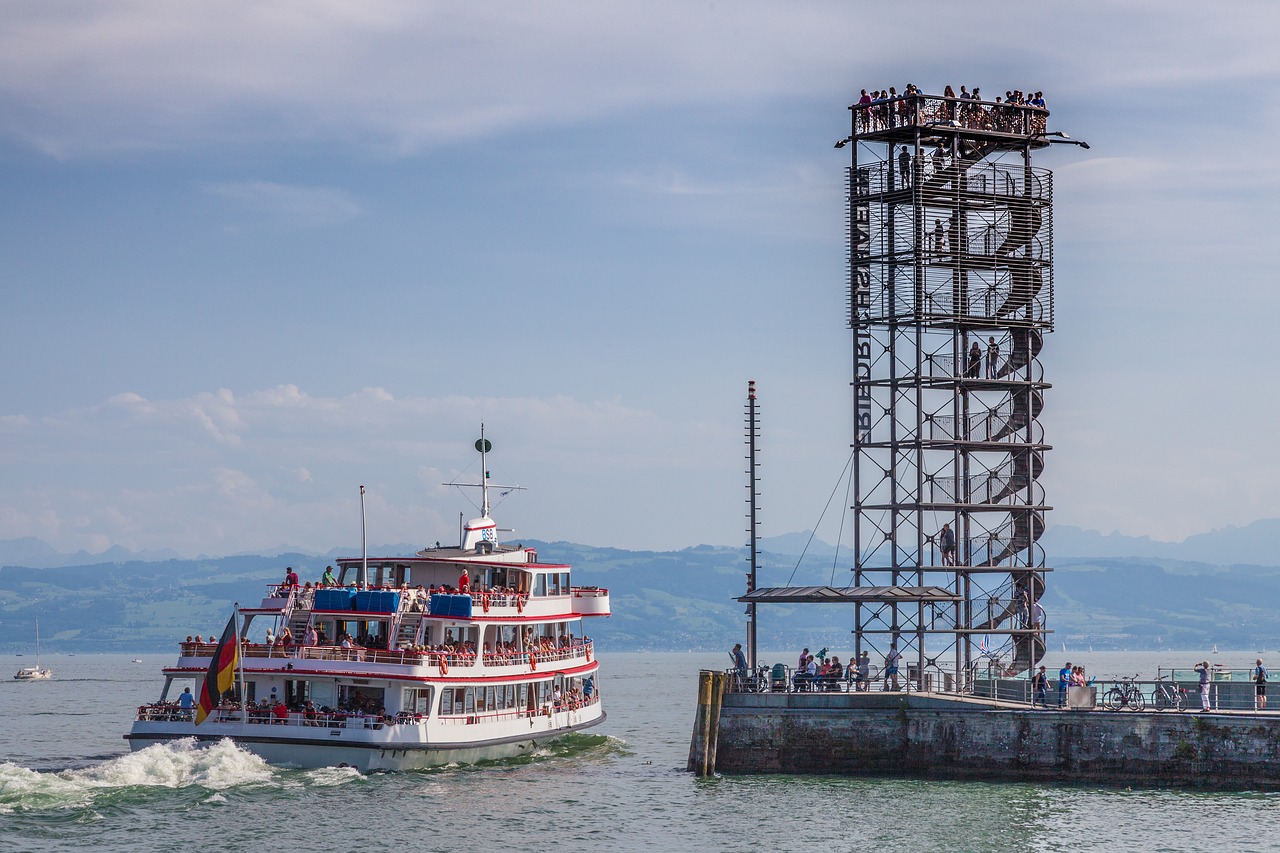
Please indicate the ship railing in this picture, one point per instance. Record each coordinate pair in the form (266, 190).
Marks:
(584, 650)
(167, 712)
(544, 710)
(403, 657)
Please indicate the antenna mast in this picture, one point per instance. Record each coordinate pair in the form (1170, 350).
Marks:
(753, 523)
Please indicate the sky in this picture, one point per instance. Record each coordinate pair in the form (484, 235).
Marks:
(256, 254)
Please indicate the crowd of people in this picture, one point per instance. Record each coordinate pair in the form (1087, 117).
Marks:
(1014, 112)
(419, 596)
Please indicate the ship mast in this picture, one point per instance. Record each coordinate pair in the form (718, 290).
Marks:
(484, 447)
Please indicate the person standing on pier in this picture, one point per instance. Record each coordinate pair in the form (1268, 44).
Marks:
(1064, 679)
(993, 356)
(1203, 669)
(739, 665)
(1260, 686)
(1041, 685)
(891, 659)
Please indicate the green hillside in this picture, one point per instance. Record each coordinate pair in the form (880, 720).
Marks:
(678, 600)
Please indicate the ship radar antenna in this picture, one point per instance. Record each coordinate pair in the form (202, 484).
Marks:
(483, 445)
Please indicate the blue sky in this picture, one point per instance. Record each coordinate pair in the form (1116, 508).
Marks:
(257, 254)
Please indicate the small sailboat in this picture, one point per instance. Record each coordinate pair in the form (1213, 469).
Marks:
(1215, 648)
(33, 673)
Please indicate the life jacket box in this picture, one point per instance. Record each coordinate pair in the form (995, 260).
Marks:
(364, 601)
(386, 602)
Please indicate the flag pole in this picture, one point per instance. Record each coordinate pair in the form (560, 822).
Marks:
(244, 709)
(364, 547)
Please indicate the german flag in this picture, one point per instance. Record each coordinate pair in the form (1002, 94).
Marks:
(222, 671)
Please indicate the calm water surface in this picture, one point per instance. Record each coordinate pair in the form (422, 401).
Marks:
(67, 782)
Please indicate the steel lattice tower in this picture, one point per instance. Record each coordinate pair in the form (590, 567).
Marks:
(950, 247)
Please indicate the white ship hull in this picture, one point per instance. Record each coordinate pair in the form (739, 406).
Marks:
(380, 748)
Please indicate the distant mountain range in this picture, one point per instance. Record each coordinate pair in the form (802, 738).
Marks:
(1256, 544)
(1104, 591)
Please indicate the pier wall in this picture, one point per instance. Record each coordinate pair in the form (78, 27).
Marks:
(936, 737)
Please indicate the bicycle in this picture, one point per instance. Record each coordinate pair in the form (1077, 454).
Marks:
(1168, 695)
(1125, 696)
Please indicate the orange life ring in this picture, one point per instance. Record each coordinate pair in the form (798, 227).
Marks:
(484, 601)
(519, 604)
(533, 661)
(444, 664)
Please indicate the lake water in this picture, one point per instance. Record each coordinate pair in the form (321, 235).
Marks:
(68, 782)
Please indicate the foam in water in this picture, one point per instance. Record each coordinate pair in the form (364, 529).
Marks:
(179, 764)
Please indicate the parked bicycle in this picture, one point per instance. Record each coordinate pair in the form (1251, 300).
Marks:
(1125, 696)
(1168, 695)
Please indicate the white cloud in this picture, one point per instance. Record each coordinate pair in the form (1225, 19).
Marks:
(289, 471)
(403, 75)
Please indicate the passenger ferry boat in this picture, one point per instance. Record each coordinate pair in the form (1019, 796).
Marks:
(454, 654)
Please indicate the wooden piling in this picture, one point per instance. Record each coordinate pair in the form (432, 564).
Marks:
(701, 725)
(718, 682)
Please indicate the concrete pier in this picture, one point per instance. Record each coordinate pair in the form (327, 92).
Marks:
(941, 736)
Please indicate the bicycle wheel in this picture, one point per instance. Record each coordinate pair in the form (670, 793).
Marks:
(1159, 698)
(1113, 700)
(1181, 700)
(1136, 702)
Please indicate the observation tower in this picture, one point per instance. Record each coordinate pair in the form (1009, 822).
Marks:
(950, 300)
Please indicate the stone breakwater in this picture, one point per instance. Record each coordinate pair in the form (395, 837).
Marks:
(938, 737)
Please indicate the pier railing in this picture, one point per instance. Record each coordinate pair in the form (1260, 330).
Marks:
(1229, 690)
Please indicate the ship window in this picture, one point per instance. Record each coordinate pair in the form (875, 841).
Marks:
(481, 707)
(469, 703)
(296, 693)
(418, 700)
(540, 585)
(564, 583)
(451, 700)
(371, 700)
(492, 703)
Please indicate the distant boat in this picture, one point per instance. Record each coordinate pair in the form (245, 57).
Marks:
(34, 673)
(137, 660)
(1215, 648)
(1090, 649)
(1064, 647)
